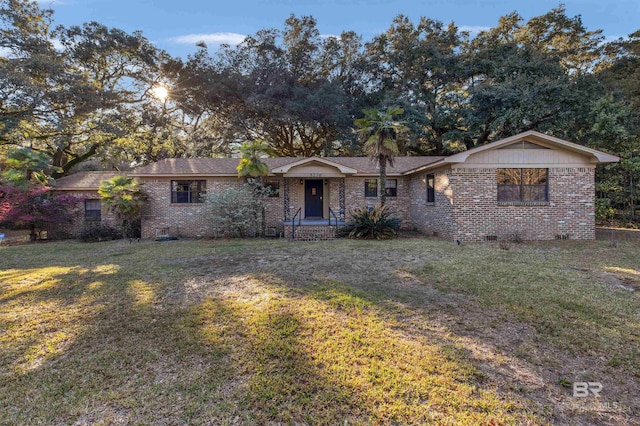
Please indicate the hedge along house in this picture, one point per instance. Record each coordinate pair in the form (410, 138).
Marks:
(531, 185)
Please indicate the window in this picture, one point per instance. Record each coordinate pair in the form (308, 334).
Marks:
(391, 187)
(371, 187)
(187, 191)
(431, 185)
(92, 210)
(274, 188)
(522, 185)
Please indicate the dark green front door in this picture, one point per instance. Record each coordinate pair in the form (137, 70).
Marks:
(313, 198)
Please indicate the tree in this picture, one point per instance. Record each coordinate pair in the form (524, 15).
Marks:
(251, 165)
(35, 207)
(380, 131)
(78, 102)
(615, 123)
(291, 88)
(613, 131)
(123, 196)
(418, 66)
(253, 169)
(531, 76)
(24, 166)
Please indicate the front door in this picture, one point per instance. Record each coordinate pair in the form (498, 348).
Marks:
(313, 198)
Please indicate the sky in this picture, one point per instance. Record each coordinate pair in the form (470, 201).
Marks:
(176, 26)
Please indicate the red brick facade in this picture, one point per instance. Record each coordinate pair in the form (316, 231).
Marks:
(191, 220)
(466, 207)
(80, 222)
(179, 219)
(568, 214)
(465, 202)
(435, 218)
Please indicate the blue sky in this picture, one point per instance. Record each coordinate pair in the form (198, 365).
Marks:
(177, 25)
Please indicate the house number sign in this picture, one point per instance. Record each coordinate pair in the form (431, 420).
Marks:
(316, 174)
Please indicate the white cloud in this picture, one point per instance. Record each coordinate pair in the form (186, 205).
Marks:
(213, 38)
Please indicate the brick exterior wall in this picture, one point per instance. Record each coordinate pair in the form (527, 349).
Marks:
(191, 220)
(73, 229)
(465, 206)
(569, 212)
(311, 233)
(400, 204)
(432, 218)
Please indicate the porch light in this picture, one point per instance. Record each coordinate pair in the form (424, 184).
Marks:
(326, 181)
(301, 181)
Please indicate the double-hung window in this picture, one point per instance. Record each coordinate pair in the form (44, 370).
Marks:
(523, 185)
(92, 210)
(187, 191)
(371, 187)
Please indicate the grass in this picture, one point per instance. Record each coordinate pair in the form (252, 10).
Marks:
(267, 332)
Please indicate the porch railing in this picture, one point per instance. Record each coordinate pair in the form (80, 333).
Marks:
(332, 213)
(293, 223)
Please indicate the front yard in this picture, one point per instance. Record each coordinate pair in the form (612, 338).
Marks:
(341, 332)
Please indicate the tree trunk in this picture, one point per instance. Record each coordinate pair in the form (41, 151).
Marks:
(382, 194)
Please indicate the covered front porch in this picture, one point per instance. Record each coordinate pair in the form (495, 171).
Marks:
(313, 198)
(314, 189)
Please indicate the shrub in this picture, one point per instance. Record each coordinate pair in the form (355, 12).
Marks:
(100, 232)
(604, 211)
(377, 223)
(235, 212)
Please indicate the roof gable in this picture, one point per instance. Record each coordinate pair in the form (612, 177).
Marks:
(323, 162)
(536, 138)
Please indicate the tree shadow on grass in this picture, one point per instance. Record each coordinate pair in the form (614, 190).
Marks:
(251, 333)
(508, 347)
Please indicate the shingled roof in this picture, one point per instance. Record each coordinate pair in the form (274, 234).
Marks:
(227, 166)
(84, 181)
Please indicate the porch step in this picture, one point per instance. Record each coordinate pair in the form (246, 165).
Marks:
(311, 232)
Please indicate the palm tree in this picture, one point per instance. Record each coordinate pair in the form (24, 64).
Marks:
(251, 166)
(253, 169)
(380, 131)
(123, 196)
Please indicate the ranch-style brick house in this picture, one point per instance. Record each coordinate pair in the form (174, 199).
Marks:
(530, 186)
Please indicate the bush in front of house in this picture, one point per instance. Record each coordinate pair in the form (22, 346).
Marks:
(99, 232)
(235, 213)
(377, 223)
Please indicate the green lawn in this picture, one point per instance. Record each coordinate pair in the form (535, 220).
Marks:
(409, 331)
